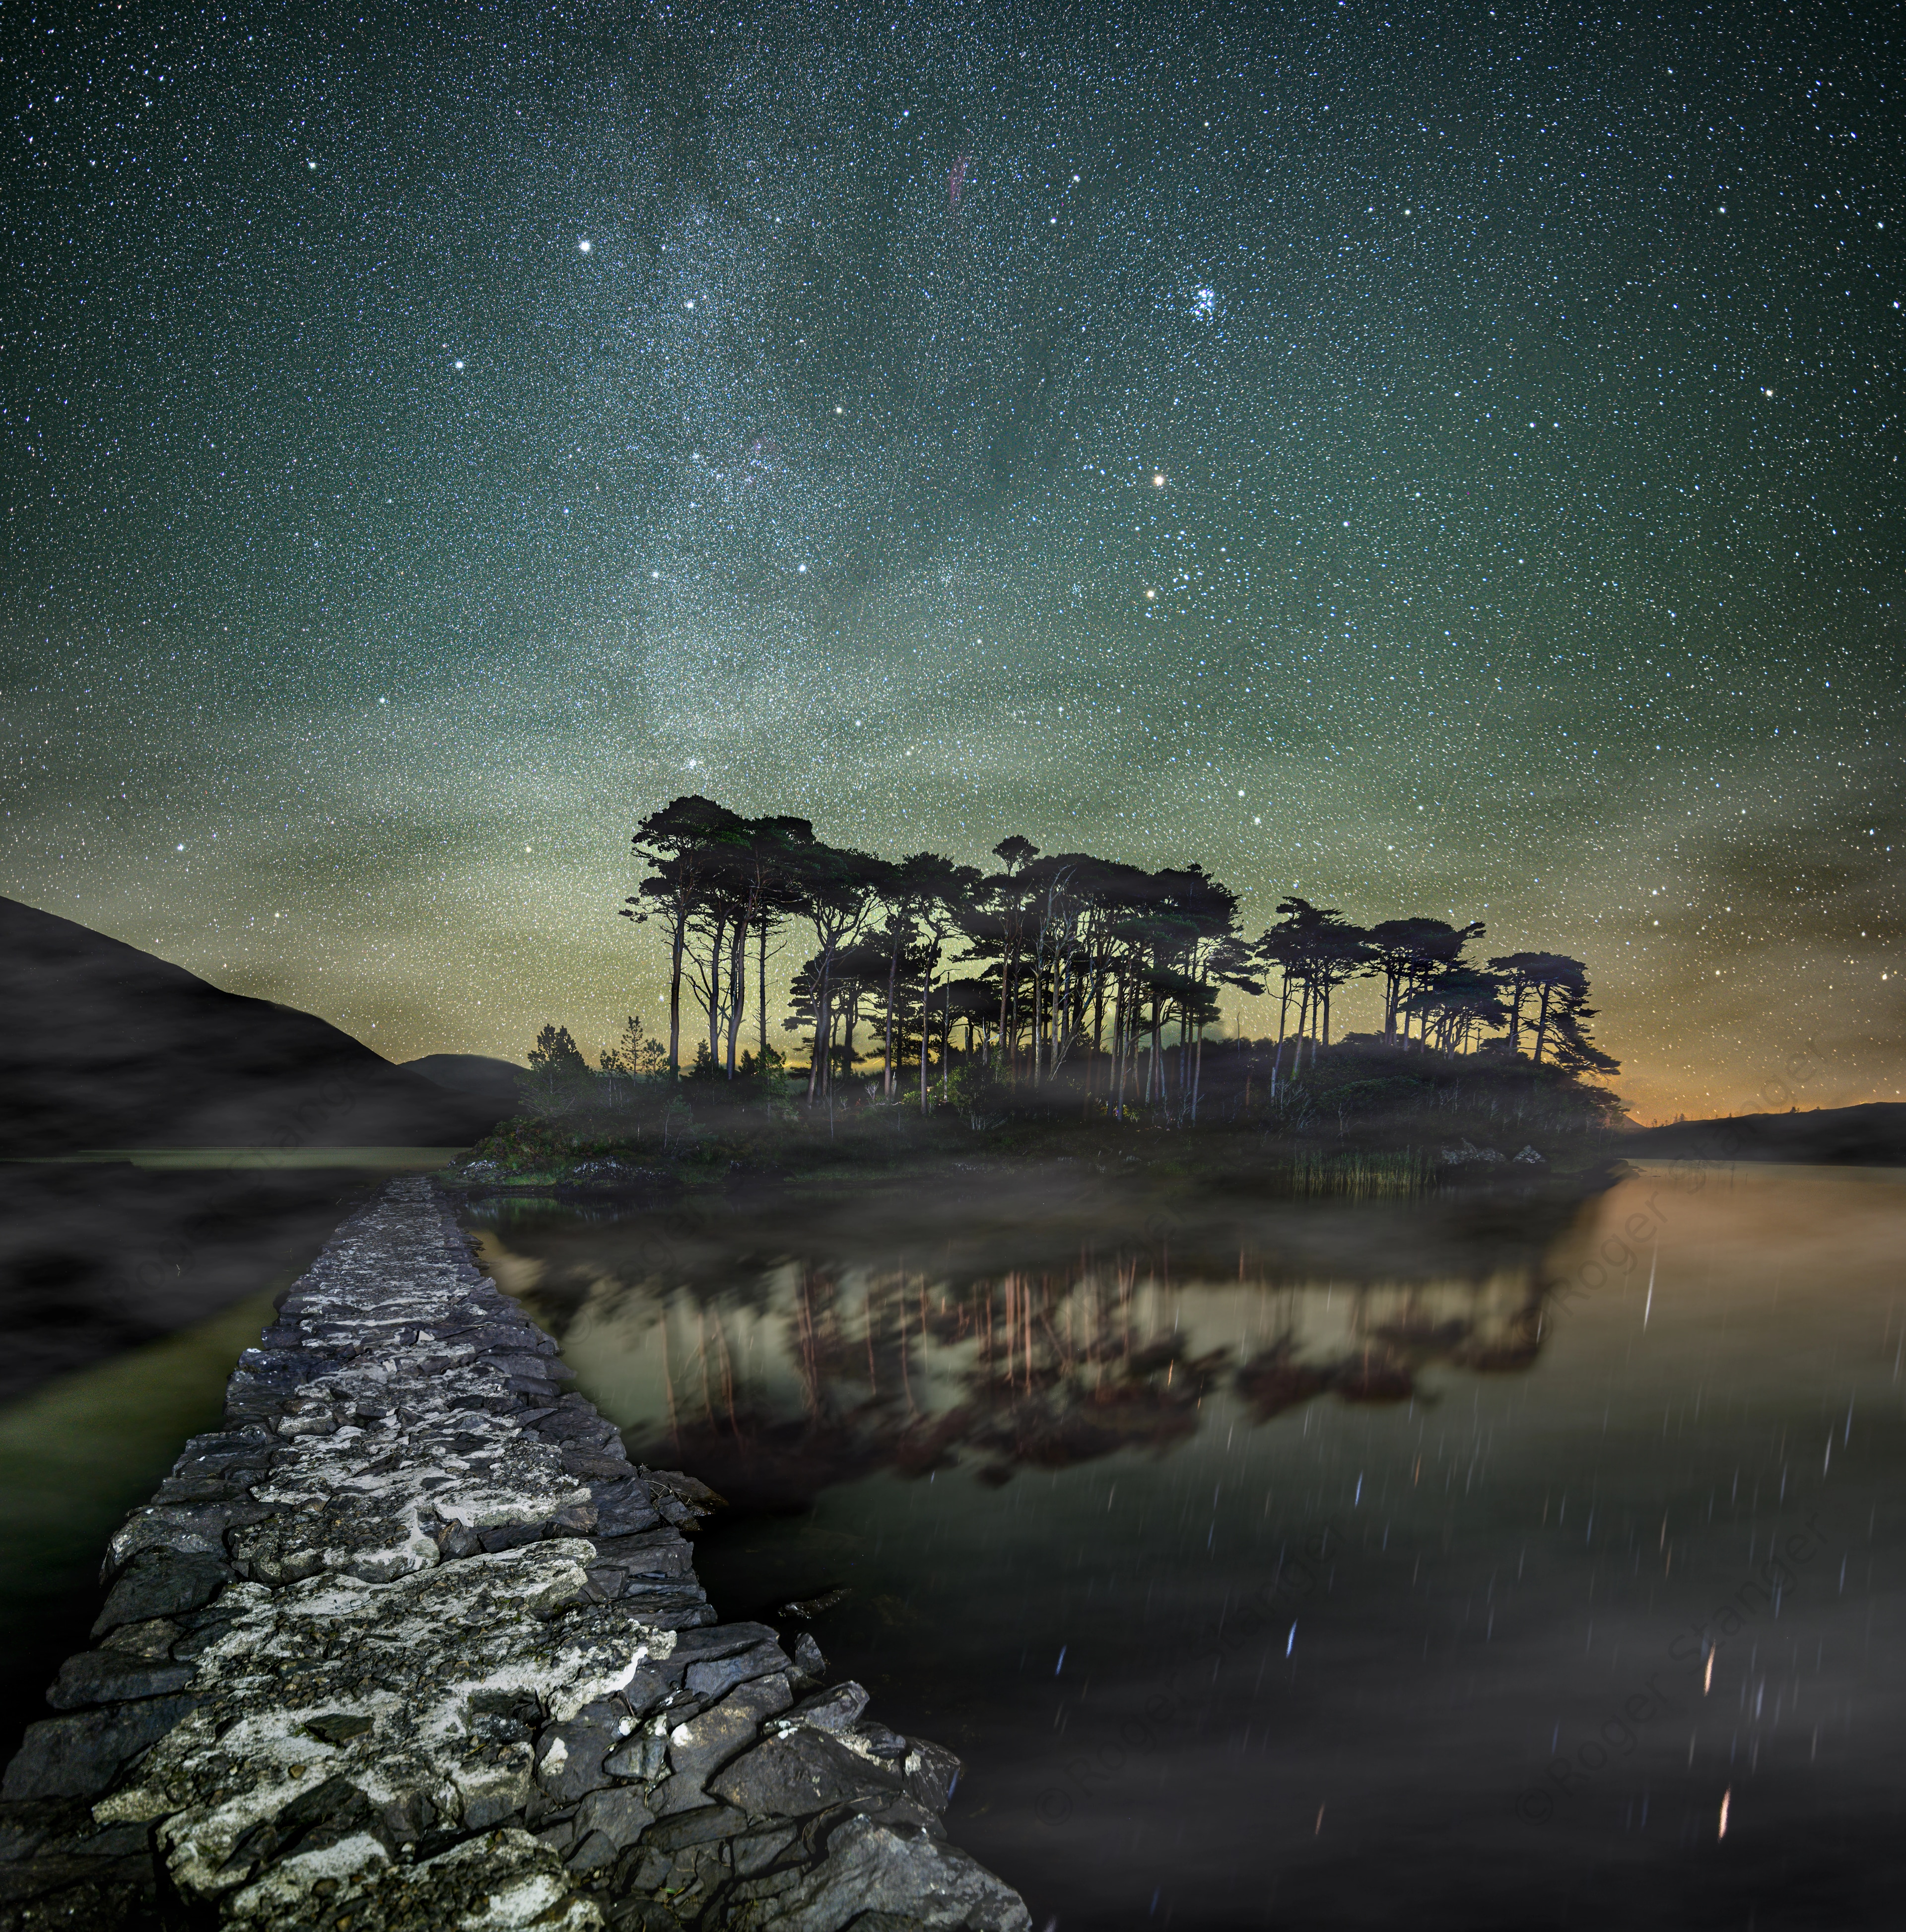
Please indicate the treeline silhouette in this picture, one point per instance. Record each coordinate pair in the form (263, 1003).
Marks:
(1101, 972)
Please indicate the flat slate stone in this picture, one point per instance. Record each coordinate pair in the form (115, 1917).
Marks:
(871, 1870)
(648, 1552)
(569, 1757)
(837, 1708)
(932, 1774)
(159, 1583)
(79, 1756)
(701, 1826)
(723, 1642)
(800, 1772)
(715, 1677)
(111, 1676)
(621, 1814)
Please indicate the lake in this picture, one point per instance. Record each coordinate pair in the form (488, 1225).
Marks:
(1507, 1561)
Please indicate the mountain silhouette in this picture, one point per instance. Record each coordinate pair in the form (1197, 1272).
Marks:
(497, 1083)
(104, 1046)
(1872, 1136)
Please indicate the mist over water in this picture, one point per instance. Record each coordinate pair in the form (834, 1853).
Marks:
(1506, 1564)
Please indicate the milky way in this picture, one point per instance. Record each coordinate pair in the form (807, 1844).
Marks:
(1436, 460)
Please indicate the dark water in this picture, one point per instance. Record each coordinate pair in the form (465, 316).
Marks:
(1518, 1565)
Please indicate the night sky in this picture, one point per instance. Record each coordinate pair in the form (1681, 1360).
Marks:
(1438, 460)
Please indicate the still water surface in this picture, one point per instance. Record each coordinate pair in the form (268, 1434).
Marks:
(1531, 1565)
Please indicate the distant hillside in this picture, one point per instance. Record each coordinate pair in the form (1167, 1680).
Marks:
(102, 1046)
(497, 1082)
(1870, 1136)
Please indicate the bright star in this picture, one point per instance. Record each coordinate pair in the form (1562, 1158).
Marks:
(583, 246)
(1158, 481)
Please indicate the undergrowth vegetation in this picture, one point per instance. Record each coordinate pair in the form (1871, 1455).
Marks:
(1364, 1120)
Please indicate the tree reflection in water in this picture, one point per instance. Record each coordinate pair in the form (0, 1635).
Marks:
(774, 1379)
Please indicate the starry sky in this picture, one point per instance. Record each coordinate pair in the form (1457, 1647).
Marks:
(1438, 459)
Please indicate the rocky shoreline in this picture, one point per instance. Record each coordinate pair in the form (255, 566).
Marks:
(410, 1644)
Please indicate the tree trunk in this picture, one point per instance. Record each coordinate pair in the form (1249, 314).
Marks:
(926, 1003)
(761, 991)
(1283, 1017)
(1518, 992)
(817, 1069)
(716, 941)
(674, 993)
(737, 989)
(1098, 1002)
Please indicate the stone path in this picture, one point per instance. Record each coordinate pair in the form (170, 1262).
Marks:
(410, 1644)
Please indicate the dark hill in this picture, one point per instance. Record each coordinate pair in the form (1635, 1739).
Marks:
(102, 1045)
(1874, 1136)
(496, 1083)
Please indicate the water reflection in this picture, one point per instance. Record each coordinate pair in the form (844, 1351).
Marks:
(776, 1377)
(1325, 1570)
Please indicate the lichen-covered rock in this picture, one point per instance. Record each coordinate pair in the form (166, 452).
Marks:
(373, 1500)
(416, 1657)
(499, 1883)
